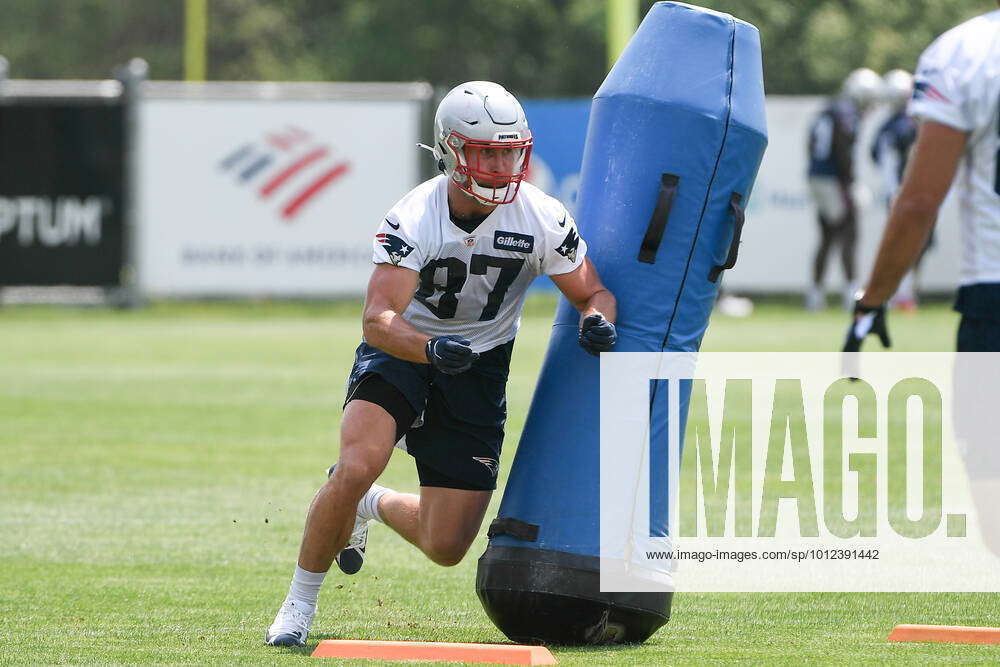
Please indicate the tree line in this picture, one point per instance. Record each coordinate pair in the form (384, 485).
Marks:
(537, 48)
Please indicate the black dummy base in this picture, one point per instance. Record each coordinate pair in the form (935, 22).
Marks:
(536, 596)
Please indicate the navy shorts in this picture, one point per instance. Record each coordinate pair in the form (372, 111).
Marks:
(458, 434)
(979, 330)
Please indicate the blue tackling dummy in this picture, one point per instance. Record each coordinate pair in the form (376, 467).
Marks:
(677, 132)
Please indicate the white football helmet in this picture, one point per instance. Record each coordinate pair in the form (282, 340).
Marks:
(475, 116)
(862, 86)
(897, 87)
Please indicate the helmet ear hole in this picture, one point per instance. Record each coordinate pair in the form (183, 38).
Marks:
(447, 159)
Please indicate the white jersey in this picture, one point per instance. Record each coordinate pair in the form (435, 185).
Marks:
(957, 83)
(473, 284)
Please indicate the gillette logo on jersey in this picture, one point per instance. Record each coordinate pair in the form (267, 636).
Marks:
(394, 246)
(513, 241)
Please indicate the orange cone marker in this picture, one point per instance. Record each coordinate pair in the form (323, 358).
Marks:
(506, 654)
(952, 634)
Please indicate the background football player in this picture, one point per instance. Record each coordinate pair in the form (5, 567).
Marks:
(453, 261)
(831, 179)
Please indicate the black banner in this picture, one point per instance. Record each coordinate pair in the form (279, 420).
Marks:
(61, 192)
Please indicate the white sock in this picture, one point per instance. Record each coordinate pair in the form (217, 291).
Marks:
(368, 507)
(305, 586)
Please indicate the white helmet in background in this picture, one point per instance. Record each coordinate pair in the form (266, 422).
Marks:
(862, 86)
(481, 115)
(897, 87)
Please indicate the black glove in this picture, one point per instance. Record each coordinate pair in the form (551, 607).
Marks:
(450, 354)
(866, 320)
(597, 334)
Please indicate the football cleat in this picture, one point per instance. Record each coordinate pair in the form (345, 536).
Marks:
(352, 557)
(291, 625)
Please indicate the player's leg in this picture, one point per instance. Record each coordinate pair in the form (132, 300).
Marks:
(367, 437)
(368, 433)
(824, 196)
(376, 413)
(816, 296)
(450, 521)
(458, 456)
(458, 503)
(831, 207)
(827, 237)
(443, 520)
(374, 389)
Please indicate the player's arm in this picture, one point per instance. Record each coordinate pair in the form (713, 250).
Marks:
(390, 291)
(583, 288)
(928, 176)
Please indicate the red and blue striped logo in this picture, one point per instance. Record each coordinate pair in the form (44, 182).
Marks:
(924, 89)
(287, 163)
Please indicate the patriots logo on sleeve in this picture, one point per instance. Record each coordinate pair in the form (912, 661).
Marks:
(394, 246)
(922, 89)
(568, 247)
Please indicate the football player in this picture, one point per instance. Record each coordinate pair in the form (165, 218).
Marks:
(831, 178)
(955, 98)
(453, 261)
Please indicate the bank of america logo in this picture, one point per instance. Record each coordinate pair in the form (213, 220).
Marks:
(287, 163)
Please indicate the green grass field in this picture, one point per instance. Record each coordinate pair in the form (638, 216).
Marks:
(155, 468)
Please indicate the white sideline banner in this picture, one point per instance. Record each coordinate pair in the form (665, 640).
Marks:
(781, 227)
(269, 197)
(874, 472)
